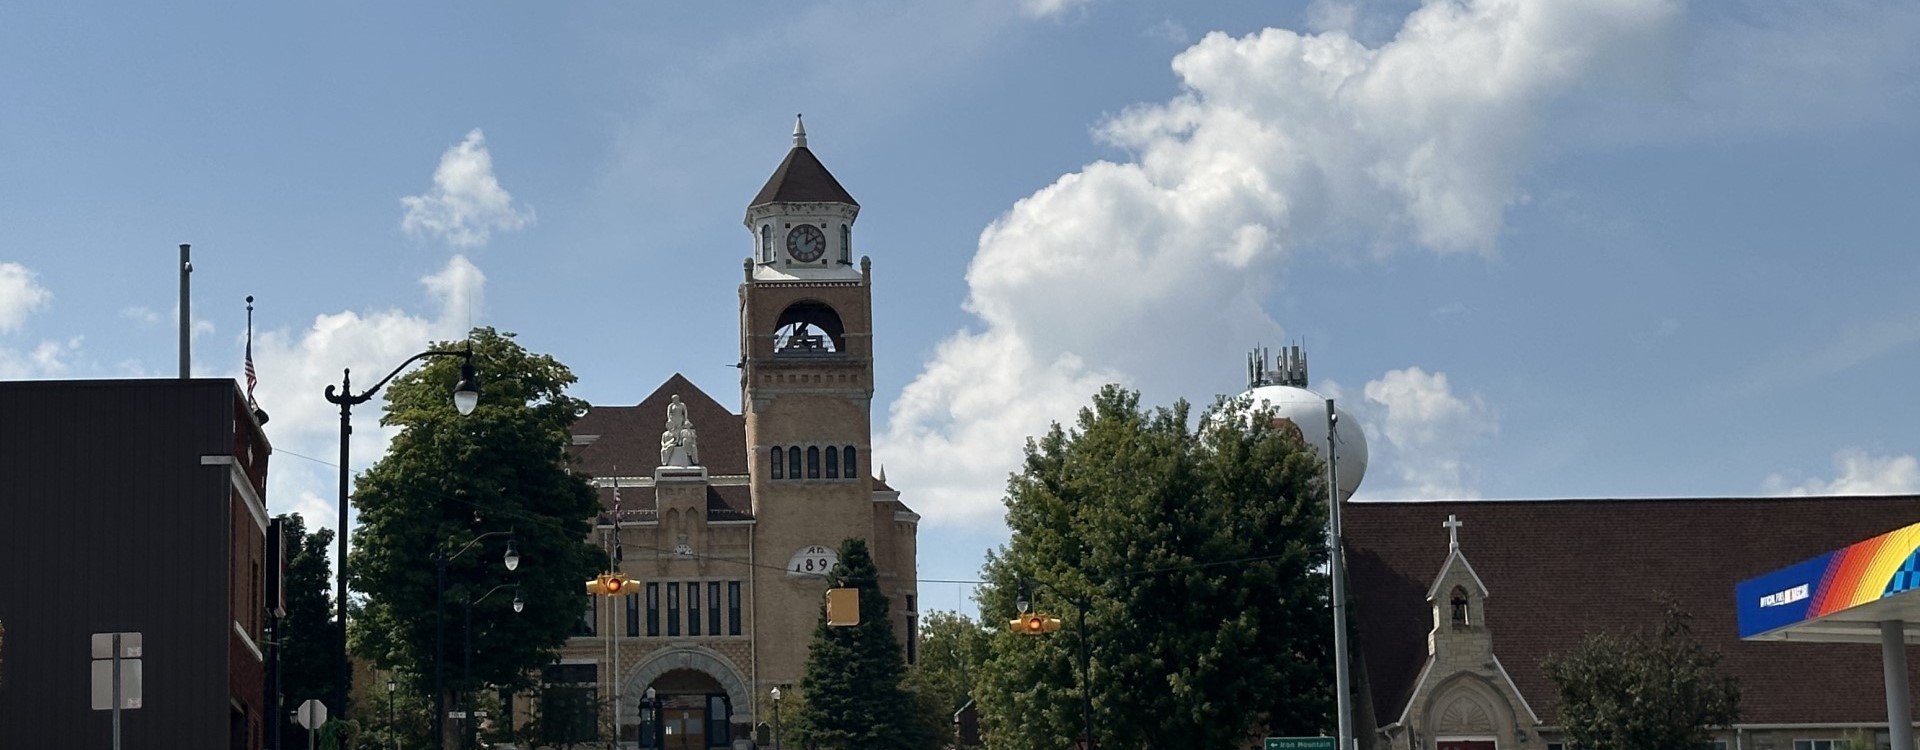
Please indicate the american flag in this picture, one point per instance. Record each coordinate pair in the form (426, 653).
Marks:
(252, 380)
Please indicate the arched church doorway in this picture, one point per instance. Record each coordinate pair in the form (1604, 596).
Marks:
(692, 706)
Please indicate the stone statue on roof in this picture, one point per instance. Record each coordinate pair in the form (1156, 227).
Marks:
(679, 444)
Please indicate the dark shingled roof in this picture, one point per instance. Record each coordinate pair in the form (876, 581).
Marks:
(1556, 569)
(801, 178)
(629, 436)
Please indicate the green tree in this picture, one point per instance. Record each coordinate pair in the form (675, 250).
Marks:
(852, 694)
(308, 637)
(1196, 559)
(446, 480)
(1644, 690)
(952, 647)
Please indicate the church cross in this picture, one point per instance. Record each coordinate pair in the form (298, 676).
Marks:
(1453, 531)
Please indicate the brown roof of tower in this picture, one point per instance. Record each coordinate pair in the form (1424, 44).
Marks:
(801, 178)
(1557, 569)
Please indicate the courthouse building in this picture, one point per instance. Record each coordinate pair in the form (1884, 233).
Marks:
(727, 519)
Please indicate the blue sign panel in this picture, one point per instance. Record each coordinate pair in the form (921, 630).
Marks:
(1780, 598)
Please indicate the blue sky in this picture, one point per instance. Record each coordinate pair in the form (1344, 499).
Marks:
(1612, 248)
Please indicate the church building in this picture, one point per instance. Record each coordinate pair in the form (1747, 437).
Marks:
(727, 522)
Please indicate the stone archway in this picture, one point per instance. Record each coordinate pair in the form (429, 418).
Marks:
(706, 661)
(1467, 708)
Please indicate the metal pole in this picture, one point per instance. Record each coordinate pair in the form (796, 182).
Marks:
(466, 681)
(439, 651)
(116, 674)
(1893, 657)
(186, 314)
(1337, 563)
(340, 592)
(1086, 681)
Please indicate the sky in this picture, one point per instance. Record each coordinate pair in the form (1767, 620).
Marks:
(1546, 249)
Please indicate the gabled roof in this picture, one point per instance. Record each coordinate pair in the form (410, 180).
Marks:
(626, 439)
(801, 178)
(1455, 558)
(1564, 568)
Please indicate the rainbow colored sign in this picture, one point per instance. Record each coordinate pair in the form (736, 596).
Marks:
(1858, 574)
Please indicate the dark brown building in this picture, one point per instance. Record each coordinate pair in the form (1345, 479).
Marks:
(1454, 620)
(132, 506)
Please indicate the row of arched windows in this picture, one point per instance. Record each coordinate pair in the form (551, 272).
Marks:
(838, 462)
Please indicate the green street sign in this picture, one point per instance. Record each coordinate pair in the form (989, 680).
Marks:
(1299, 743)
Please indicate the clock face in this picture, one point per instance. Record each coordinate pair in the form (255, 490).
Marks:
(806, 243)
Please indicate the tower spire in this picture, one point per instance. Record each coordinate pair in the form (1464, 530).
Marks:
(799, 133)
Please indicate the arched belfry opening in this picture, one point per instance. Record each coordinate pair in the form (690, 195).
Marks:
(809, 328)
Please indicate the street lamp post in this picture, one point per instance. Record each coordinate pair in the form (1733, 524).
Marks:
(512, 561)
(1080, 605)
(466, 395)
(775, 693)
(466, 670)
(650, 719)
(390, 729)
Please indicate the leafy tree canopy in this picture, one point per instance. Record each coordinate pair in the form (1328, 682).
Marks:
(1646, 690)
(951, 650)
(446, 480)
(308, 637)
(853, 699)
(1197, 557)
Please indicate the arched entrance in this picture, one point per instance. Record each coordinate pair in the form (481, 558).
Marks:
(696, 695)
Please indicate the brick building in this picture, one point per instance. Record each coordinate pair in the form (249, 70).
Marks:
(726, 520)
(132, 506)
(1457, 604)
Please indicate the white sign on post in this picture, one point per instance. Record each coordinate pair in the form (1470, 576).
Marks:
(108, 663)
(311, 714)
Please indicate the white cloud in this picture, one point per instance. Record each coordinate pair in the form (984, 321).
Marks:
(466, 204)
(1428, 431)
(1050, 8)
(141, 314)
(1151, 271)
(1857, 473)
(20, 295)
(296, 367)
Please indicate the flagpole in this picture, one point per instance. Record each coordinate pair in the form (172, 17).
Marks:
(253, 379)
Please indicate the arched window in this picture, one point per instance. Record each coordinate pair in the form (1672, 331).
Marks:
(853, 468)
(766, 243)
(813, 462)
(1458, 603)
(779, 458)
(846, 245)
(793, 462)
(833, 462)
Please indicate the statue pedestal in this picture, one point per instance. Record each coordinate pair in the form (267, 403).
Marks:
(680, 474)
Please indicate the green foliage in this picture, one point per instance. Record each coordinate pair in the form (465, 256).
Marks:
(339, 734)
(852, 688)
(309, 639)
(1644, 691)
(1198, 559)
(446, 480)
(952, 648)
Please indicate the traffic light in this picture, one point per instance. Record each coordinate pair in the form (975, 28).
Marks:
(1034, 623)
(610, 584)
(843, 607)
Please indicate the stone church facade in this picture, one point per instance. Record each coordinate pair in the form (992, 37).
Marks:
(1458, 603)
(725, 521)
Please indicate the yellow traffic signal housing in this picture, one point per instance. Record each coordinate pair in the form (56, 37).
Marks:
(1034, 623)
(843, 607)
(610, 584)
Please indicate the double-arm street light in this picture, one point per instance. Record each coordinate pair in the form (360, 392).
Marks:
(466, 395)
(512, 560)
(1037, 624)
(466, 670)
